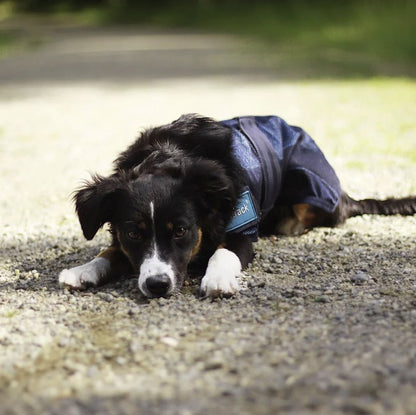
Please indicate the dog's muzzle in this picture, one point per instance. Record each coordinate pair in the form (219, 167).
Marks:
(158, 285)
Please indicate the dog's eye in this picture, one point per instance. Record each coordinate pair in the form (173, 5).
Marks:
(134, 234)
(180, 231)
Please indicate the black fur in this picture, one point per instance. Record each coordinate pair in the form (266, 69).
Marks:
(405, 206)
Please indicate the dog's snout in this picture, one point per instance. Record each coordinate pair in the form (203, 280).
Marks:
(158, 285)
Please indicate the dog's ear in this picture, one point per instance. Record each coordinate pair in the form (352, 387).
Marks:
(95, 203)
(213, 191)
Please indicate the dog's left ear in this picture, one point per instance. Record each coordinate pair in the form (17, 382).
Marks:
(213, 191)
(95, 203)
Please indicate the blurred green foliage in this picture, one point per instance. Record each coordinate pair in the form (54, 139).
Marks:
(385, 27)
(365, 37)
(6, 42)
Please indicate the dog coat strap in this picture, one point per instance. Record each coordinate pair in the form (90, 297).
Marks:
(271, 174)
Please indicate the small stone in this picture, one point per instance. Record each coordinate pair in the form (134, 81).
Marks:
(321, 299)
(214, 364)
(92, 371)
(63, 342)
(106, 297)
(169, 341)
(121, 360)
(133, 311)
(360, 278)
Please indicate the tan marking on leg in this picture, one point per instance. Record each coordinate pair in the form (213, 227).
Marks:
(290, 227)
(306, 214)
(110, 253)
(118, 260)
(197, 247)
(121, 248)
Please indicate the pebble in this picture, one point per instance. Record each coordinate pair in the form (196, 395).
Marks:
(63, 342)
(276, 260)
(214, 364)
(360, 278)
(106, 297)
(169, 341)
(322, 299)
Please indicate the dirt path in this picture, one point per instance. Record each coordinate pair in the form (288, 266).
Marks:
(328, 322)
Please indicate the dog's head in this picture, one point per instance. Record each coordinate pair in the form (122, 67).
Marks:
(162, 213)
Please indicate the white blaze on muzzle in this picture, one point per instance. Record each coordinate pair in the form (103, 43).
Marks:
(154, 268)
(154, 272)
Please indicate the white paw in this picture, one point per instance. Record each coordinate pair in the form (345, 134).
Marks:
(221, 275)
(87, 275)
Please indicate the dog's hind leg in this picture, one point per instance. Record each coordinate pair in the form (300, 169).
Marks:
(294, 220)
(299, 218)
(109, 264)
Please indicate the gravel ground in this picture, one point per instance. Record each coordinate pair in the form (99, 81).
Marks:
(326, 322)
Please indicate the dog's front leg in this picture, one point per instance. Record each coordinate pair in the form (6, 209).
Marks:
(108, 264)
(225, 266)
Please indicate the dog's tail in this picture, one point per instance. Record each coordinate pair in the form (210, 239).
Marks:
(394, 206)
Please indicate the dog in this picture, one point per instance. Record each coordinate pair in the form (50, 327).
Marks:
(192, 196)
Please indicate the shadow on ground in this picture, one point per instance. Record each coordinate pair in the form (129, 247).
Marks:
(35, 264)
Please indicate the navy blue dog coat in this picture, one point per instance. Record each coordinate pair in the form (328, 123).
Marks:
(281, 164)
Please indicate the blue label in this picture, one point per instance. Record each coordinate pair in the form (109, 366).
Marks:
(244, 213)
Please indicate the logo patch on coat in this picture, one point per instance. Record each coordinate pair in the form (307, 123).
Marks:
(244, 213)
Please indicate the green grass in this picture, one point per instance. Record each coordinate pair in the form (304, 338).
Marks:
(7, 43)
(7, 40)
(10, 43)
(10, 314)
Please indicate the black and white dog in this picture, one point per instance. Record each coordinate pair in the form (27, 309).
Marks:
(193, 195)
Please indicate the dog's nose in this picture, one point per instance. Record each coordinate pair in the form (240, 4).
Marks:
(158, 285)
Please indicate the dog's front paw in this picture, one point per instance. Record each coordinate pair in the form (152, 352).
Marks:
(220, 279)
(84, 276)
(220, 285)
